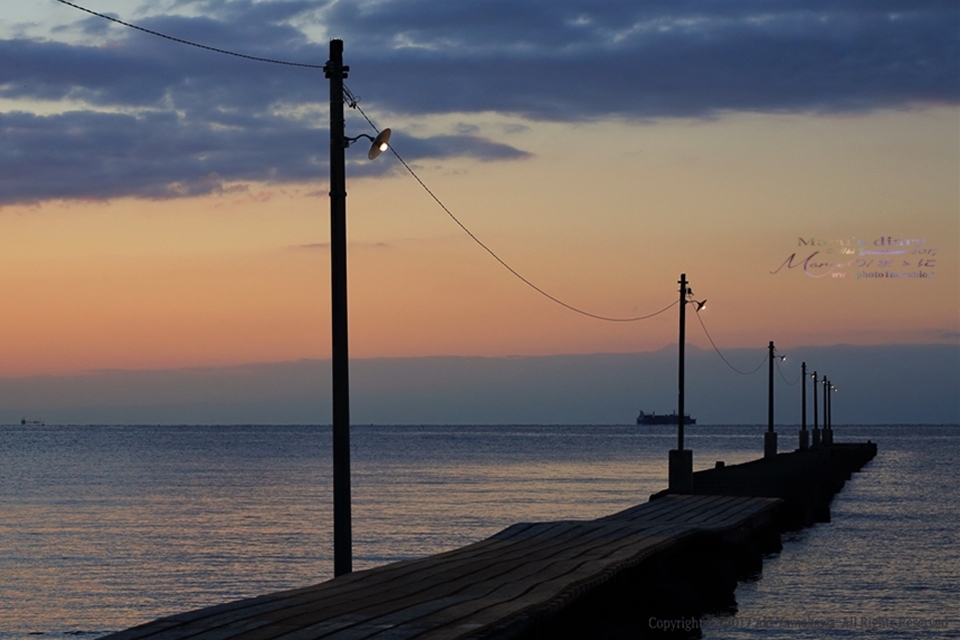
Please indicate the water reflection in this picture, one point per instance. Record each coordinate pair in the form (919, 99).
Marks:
(102, 528)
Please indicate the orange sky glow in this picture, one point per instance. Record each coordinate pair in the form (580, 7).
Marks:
(604, 216)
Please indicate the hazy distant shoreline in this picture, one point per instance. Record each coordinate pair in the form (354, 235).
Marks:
(894, 384)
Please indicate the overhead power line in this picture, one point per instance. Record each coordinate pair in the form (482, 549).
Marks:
(188, 42)
(780, 371)
(727, 362)
(353, 103)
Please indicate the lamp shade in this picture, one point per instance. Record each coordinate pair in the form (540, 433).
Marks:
(380, 144)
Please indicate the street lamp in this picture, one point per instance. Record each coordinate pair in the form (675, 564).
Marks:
(680, 467)
(826, 420)
(770, 437)
(804, 436)
(377, 145)
(816, 427)
(336, 72)
(829, 402)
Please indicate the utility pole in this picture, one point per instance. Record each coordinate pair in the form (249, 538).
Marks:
(680, 463)
(770, 437)
(683, 334)
(816, 428)
(804, 436)
(826, 423)
(828, 402)
(336, 72)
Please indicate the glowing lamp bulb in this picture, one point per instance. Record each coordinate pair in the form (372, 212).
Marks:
(380, 144)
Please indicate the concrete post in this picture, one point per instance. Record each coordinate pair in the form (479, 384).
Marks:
(770, 444)
(680, 475)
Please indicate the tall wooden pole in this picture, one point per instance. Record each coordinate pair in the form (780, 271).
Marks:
(826, 421)
(680, 460)
(816, 427)
(829, 405)
(803, 396)
(683, 327)
(770, 390)
(804, 435)
(770, 437)
(342, 528)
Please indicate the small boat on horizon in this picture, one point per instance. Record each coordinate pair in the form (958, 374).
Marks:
(673, 418)
(30, 423)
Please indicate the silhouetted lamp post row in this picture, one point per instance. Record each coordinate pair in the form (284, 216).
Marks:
(680, 473)
(824, 436)
(827, 411)
(336, 72)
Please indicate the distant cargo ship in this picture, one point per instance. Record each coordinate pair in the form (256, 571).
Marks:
(653, 418)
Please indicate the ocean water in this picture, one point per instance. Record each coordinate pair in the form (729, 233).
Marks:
(106, 527)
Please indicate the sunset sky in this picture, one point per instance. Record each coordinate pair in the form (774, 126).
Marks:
(165, 207)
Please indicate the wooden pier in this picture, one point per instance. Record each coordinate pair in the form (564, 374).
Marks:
(806, 480)
(499, 587)
(531, 580)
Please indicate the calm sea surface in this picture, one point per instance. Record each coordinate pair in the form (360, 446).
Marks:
(102, 528)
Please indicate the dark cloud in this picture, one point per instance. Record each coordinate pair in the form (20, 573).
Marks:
(94, 155)
(167, 120)
(573, 61)
(155, 155)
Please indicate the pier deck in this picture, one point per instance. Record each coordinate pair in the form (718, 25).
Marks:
(503, 586)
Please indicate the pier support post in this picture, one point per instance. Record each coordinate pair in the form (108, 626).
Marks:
(680, 473)
(770, 444)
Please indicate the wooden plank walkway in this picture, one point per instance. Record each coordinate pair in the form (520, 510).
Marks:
(494, 588)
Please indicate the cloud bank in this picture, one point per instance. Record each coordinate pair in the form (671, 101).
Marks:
(155, 119)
